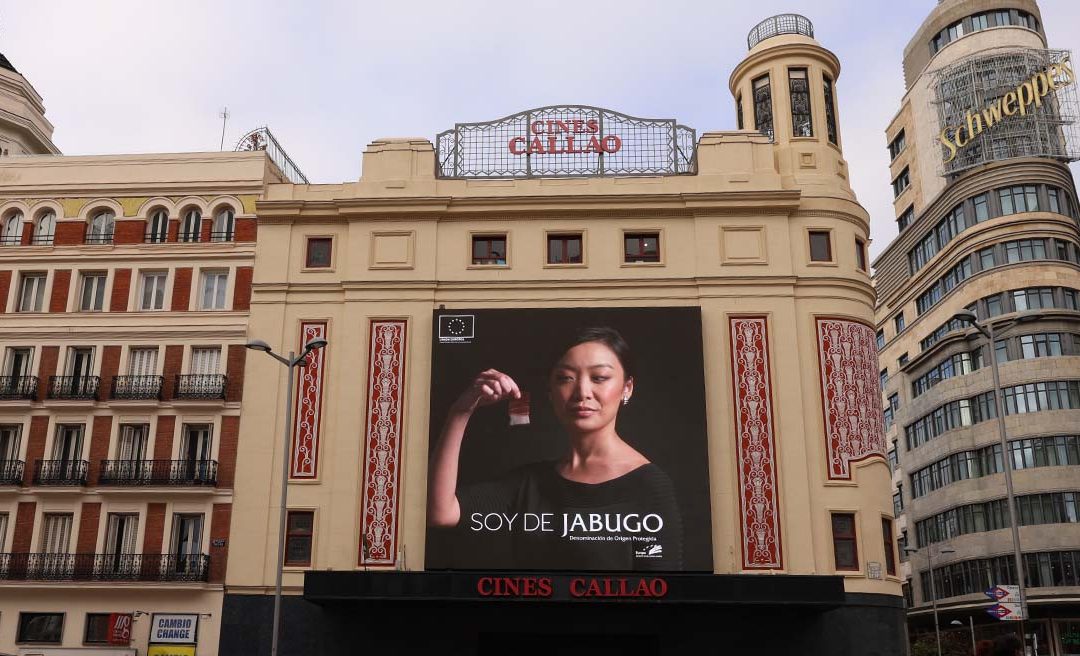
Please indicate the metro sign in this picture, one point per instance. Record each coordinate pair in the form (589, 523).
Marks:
(1000, 611)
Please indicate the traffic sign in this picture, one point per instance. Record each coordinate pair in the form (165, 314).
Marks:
(1004, 593)
(1006, 611)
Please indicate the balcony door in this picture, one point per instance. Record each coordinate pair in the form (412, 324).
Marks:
(187, 542)
(80, 366)
(143, 362)
(17, 366)
(55, 545)
(195, 450)
(9, 444)
(121, 537)
(205, 361)
(131, 452)
(67, 451)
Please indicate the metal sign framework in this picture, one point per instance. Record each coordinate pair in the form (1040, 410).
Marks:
(566, 141)
(979, 82)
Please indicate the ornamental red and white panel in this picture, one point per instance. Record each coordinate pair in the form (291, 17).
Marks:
(308, 420)
(850, 394)
(382, 443)
(759, 497)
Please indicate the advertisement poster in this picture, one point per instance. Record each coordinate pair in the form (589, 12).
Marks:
(569, 439)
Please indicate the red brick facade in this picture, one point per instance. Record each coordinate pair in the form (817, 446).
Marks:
(219, 532)
(110, 366)
(246, 230)
(59, 295)
(234, 372)
(181, 294)
(23, 536)
(163, 438)
(5, 287)
(130, 231)
(35, 445)
(204, 230)
(154, 536)
(120, 289)
(99, 446)
(242, 291)
(230, 434)
(174, 359)
(46, 368)
(88, 528)
(69, 233)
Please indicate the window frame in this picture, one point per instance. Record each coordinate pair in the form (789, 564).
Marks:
(143, 277)
(154, 234)
(204, 278)
(802, 123)
(889, 542)
(38, 291)
(861, 259)
(767, 115)
(46, 219)
(20, 637)
(309, 240)
(86, 629)
(489, 237)
(565, 236)
(185, 236)
(98, 294)
(811, 232)
(299, 534)
(853, 538)
(638, 259)
(218, 234)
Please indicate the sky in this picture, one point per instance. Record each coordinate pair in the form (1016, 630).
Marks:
(329, 77)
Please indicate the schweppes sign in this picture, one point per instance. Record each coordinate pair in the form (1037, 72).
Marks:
(1027, 97)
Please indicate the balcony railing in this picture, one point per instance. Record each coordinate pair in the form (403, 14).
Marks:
(158, 472)
(18, 387)
(104, 567)
(42, 240)
(10, 240)
(11, 472)
(158, 238)
(200, 386)
(222, 235)
(137, 387)
(99, 238)
(60, 472)
(73, 387)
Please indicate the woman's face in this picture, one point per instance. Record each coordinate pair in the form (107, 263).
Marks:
(587, 385)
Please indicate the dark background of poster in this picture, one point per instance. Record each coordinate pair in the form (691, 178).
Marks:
(665, 419)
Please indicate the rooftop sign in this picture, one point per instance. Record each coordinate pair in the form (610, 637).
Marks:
(566, 141)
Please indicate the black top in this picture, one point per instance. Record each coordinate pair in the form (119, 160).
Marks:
(536, 519)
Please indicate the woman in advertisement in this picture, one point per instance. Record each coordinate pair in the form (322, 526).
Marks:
(601, 506)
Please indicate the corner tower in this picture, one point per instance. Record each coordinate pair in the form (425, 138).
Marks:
(24, 130)
(786, 88)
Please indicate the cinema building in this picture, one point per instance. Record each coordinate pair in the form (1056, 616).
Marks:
(125, 284)
(987, 216)
(756, 514)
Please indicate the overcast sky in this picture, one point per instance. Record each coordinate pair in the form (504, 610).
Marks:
(329, 77)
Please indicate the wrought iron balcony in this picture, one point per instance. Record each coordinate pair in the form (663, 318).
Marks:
(60, 472)
(11, 472)
(137, 387)
(158, 472)
(201, 386)
(18, 387)
(42, 240)
(104, 567)
(99, 238)
(222, 235)
(73, 387)
(10, 240)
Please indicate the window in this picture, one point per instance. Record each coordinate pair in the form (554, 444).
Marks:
(894, 401)
(982, 207)
(190, 225)
(802, 124)
(489, 249)
(887, 538)
(142, 361)
(100, 230)
(1055, 200)
(641, 247)
(11, 230)
(860, 254)
(32, 292)
(45, 228)
(187, 542)
(152, 290)
(887, 417)
(902, 360)
(884, 377)
(9, 450)
(92, 295)
(97, 629)
(898, 323)
(214, 284)
(738, 111)
(224, 225)
(3, 529)
(905, 219)
(1018, 199)
(41, 627)
(205, 361)
(897, 145)
(763, 114)
(298, 537)
(901, 182)
(880, 339)
(845, 550)
(319, 252)
(157, 228)
(564, 249)
(820, 246)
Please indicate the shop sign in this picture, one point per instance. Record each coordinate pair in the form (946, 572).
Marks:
(120, 628)
(1026, 98)
(566, 140)
(174, 629)
(578, 587)
(170, 650)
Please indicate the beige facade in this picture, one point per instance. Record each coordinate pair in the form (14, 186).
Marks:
(967, 245)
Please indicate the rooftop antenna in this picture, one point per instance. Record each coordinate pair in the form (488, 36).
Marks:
(224, 117)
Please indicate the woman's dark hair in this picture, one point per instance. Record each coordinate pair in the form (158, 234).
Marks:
(609, 337)
(1006, 645)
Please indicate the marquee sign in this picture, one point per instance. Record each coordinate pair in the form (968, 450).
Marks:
(565, 141)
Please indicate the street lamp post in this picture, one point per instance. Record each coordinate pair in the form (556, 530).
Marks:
(933, 588)
(987, 329)
(290, 362)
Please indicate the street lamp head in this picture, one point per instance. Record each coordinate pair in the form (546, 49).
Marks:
(316, 343)
(259, 345)
(967, 316)
(956, 623)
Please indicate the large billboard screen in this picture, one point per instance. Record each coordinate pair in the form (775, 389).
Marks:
(568, 439)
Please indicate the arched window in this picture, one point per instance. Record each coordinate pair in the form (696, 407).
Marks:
(11, 231)
(157, 228)
(45, 228)
(223, 225)
(101, 226)
(189, 226)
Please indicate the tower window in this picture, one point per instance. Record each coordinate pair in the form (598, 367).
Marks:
(802, 124)
(763, 116)
(830, 110)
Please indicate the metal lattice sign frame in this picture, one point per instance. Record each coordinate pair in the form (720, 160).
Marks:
(566, 141)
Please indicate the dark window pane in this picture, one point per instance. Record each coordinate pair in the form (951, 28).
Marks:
(318, 252)
(41, 627)
(642, 247)
(97, 628)
(820, 246)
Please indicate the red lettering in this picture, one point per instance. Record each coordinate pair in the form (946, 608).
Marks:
(551, 146)
(570, 145)
(529, 587)
(536, 146)
(535, 129)
(643, 589)
(579, 125)
(517, 146)
(594, 589)
(594, 145)
(577, 587)
(658, 587)
(544, 587)
(512, 587)
(483, 587)
(563, 127)
(612, 144)
(592, 125)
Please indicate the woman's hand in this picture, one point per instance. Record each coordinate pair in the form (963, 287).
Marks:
(490, 386)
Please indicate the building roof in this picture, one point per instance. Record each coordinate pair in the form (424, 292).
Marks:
(5, 63)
